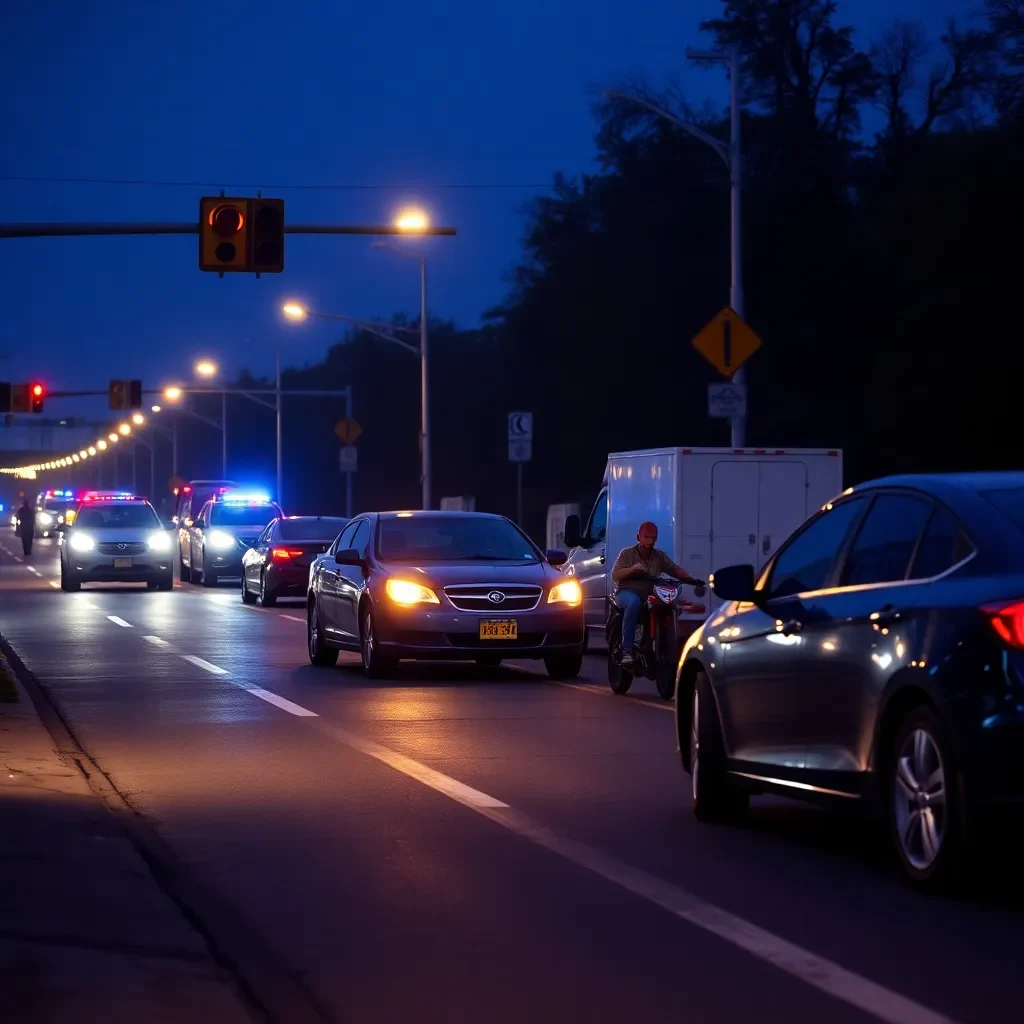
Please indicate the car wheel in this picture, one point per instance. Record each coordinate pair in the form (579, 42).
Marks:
(710, 794)
(209, 577)
(564, 666)
(268, 598)
(925, 812)
(166, 582)
(248, 597)
(319, 653)
(183, 570)
(374, 664)
(67, 583)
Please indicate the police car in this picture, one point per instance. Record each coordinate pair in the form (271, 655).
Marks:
(116, 538)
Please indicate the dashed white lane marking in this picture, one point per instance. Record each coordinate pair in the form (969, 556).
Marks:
(32, 568)
(118, 621)
(17, 558)
(294, 618)
(156, 641)
(808, 967)
(282, 702)
(202, 663)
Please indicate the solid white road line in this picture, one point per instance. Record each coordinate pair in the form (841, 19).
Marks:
(156, 641)
(118, 621)
(294, 618)
(282, 702)
(808, 967)
(202, 663)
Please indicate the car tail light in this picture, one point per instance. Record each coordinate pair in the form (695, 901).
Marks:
(1008, 621)
(282, 554)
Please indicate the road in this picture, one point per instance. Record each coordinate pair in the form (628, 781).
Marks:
(458, 845)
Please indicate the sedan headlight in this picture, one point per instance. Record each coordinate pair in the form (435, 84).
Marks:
(568, 593)
(45, 518)
(219, 540)
(159, 541)
(82, 542)
(405, 593)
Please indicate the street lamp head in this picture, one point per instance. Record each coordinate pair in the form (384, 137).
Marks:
(113, 437)
(412, 221)
(92, 450)
(101, 444)
(156, 408)
(124, 429)
(294, 311)
(83, 454)
(173, 393)
(138, 419)
(206, 368)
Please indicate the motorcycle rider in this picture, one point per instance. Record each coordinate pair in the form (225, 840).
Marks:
(642, 559)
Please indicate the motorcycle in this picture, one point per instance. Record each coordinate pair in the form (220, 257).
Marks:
(656, 647)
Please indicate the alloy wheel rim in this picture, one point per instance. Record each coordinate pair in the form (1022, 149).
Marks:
(314, 637)
(919, 799)
(367, 640)
(695, 744)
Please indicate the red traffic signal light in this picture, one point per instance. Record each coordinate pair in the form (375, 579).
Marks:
(223, 234)
(37, 393)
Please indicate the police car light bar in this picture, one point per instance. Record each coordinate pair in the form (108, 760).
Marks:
(246, 498)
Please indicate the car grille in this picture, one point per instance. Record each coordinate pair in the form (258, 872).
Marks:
(475, 597)
(473, 641)
(123, 548)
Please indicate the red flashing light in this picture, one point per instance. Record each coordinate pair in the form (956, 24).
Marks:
(186, 489)
(37, 390)
(1008, 621)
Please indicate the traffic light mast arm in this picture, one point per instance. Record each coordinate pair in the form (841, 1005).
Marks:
(74, 230)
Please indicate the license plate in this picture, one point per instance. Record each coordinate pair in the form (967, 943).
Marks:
(499, 629)
(122, 563)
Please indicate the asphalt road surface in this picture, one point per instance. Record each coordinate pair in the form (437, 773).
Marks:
(465, 845)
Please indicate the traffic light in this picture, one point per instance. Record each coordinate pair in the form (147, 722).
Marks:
(267, 234)
(20, 400)
(223, 234)
(125, 394)
(241, 235)
(36, 395)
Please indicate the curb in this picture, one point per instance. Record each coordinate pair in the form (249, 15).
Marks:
(8, 683)
(269, 991)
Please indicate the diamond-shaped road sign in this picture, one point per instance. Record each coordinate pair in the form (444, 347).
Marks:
(727, 342)
(348, 431)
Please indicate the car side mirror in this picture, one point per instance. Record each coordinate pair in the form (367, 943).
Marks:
(348, 556)
(573, 537)
(734, 583)
(556, 557)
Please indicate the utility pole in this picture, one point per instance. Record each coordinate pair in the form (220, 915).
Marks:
(424, 386)
(277, 409)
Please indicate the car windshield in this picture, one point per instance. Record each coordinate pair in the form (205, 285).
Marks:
(57, 508)
(114, 515)
(325, 529)
(452, 539)
(256, 515)
(1010, 502)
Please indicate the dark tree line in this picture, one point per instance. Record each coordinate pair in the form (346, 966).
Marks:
(882, 231)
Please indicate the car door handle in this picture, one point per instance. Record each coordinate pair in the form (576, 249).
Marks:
(791, 627)
(885, 616)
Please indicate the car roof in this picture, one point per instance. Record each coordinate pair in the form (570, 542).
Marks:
(287, 519)
(435, 513)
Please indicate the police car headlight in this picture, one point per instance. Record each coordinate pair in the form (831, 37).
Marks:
(220, 541)
(82, 542)
(45, 518)
(159, 541)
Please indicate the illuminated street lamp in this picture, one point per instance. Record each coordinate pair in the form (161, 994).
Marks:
(206, 368)
(156, 408)
(124, 429)
(101, 444)
(138, 419)
(113, 437)
(92, 450)
(412, 220)
(173, 393)
(294, 311)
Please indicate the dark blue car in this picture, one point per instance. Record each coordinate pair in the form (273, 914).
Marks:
(879, 656)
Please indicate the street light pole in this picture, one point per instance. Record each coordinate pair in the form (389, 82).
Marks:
(224, 434)
(424, 386)
(277, 411)
(732, 157)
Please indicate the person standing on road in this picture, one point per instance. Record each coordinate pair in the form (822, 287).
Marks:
(642, 559)
(27, 530)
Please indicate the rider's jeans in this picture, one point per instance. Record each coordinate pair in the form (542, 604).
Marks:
(629, 604)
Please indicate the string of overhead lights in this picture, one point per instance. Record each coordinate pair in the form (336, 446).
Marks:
(98, 448)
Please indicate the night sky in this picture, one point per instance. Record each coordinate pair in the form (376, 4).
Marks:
(488, 100)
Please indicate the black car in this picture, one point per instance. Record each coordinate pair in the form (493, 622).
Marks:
(879, 656)
(277, 564)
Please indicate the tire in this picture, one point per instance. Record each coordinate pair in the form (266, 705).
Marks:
(247, 596)
(268, 598)
(710, 795)
(166, 582)
(184, 572)
(668, 661)
(488, 660)
(374, 665)
(151, 584)
(319, 653)
(209, 578)
(67, 584)
(924, 807)
(564, 666)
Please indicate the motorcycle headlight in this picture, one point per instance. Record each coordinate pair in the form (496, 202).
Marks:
(219, 540)
(159, 541)
(568, 593)
(405, 593)
(81, 542)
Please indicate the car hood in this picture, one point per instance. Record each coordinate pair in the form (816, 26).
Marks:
(117, 535)
(437, 575)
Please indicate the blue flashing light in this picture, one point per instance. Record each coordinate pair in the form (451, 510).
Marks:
(246, 498)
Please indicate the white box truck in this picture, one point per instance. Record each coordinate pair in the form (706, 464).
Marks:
(713, 507)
